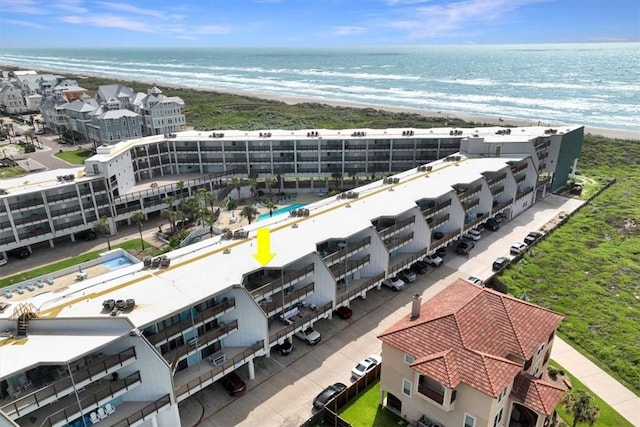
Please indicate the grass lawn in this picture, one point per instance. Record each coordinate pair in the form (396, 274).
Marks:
(69, 262)
(608, 416)
(11, 172)
(76, 157)
(365, 411)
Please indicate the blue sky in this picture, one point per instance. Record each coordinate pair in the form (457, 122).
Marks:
(71, 23)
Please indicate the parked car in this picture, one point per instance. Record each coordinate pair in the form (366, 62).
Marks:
(419, 267)
(434, 260)
(437, 235)
(233, 384)
(19, 253)
(517, 248)
(86, 235)
(491, 225)
(344, 312)
(365, 365)
(472, 234)
(407, 275)
(499, 217)
(39, 131)
(500, 263)
(394, 283)
(441, 252)
(283, 348)
(532, 237)
(327, 394)
(463, 248)
(476, 280)
(309, 335)
(3, 261)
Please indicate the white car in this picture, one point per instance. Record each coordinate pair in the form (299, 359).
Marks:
(3, 261)
(476, 280)
(309, 335)
(365, 365)
(433, 260)
(517, 248)
(472, 234)
(394, 283)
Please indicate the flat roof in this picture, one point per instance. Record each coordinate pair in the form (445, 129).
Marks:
(43, 181)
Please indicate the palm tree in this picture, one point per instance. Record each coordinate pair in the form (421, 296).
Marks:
(252, 185)
(171, 216)
(336, 176)
(269, 204)
(579, 404)
(271, 182)
(237, 184)
(249, 212)
(138, 217)
(101, 226)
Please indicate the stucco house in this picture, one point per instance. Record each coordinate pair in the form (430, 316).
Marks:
(471, 356)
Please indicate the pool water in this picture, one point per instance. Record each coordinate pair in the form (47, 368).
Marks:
(281, 211)
(116, 263)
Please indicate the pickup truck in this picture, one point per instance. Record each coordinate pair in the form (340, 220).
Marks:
(309, 335)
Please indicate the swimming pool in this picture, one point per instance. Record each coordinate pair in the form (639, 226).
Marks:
(281, 211)
(116, 263)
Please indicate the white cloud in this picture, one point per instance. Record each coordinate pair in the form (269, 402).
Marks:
(24, 24)
(348, 31)
(70, 6)
(29, 7)
(109, 21)
(124, 7)
(440, 20)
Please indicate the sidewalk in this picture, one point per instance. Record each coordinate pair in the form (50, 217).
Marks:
(606, 387)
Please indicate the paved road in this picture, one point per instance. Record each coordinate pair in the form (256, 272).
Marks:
(43, 159)
(284, 388)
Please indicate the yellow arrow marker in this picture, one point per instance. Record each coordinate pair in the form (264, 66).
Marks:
(264, 255)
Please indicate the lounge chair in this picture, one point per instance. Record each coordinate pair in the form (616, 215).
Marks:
(31, 287)
(102, 414)
(8, 293)
(50, 280)
(109, 409)
(20, 289)
(94, 418)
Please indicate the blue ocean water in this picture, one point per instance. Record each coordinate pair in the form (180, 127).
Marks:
(596, 85)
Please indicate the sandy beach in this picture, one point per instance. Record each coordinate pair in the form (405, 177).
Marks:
(490, 120)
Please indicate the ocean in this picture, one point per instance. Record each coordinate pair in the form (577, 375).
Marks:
(596, 85)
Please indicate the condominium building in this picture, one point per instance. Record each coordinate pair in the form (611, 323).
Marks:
(140, 174)
(143, 338)
(160, 114)
(471, 356)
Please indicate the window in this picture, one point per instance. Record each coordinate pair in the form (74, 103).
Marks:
(406, 387)
(503, 394)
(408, 359)
(498, 418)
(498, 150)
(469, 421)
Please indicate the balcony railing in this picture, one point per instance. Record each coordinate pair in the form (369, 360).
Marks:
(204, 339)
(51, 198)
(286, 280)
(64, 386)
(209, 314)
(447, 237)
(398, 243)
(475, 221)
(397, 227)
(273, 307)
(145, 412)
(435, 395)
(25, 204)
(439, 221)
(520, 168)
(94, 399)
(521, 179)
(500, 206)
(299, 321)
(216, 372)
(523, 193)
(408, 261)
(496, 179)
(341, 270)
(497, 190)
(351, 293)
(470, 205)
(470, 192)
(350, 249)
(32, 218)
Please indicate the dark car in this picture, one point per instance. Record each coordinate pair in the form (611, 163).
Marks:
(532, 237)
(464, 248)
(327, 394)
(419, 267)
(437, 235)
(86, 235)
(19, 253)
(344, 312)
(500, 263)
(233, 384)
(491, 225)
(284, 348)
(441, 252)
(407, 275)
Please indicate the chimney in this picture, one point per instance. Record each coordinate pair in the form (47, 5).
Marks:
(415, 307)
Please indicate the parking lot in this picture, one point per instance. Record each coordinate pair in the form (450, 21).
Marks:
(285, 386)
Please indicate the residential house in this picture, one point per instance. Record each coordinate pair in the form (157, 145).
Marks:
(78, 114)
(111, 123)
(160, 114)
(52, 109)
(11, 100)
(471, 356)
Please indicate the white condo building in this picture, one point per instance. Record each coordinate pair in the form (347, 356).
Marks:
(143, 338)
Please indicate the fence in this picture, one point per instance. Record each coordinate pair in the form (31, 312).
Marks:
(329, 414)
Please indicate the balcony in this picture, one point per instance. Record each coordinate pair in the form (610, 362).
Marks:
(31, 218)
(144, 413)
(516, 169)
(496, 190)
(470, 205)
(64, 386)
(201, 341)
(439, 221)
(348, 250)
(286, 298)
(435, 395)
(285, 280)
(468, 193)
(90, 400)
(23, 204)
(520, 179)
(497, 179)
(523, 193)
(393, 244)
(54, 198)
(350, 266)
(216, 372)
(207, 315)
(66, 211)
(396, 228)
(499, 207)
(476, 221)
(445, 240)
(299, 321)
(369, 282)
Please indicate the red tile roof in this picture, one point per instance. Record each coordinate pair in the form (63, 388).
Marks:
(465, 334)
(536, 394)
